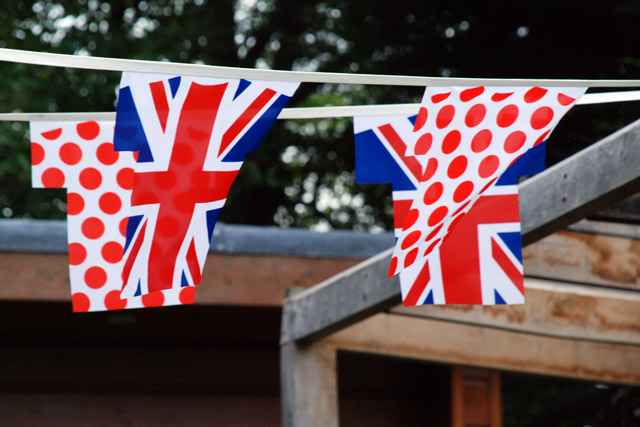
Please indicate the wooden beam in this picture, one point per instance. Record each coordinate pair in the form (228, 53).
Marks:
(581, 185)
(555, 309)
(309, 385)
(587, 258)
(478, 346)
(605, 172)
(226, 279)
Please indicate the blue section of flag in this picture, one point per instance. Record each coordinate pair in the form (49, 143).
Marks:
(132, 226)
(174, 84)
(499, 299)
(129, 134)
(184, 283)
(212, 218)
(139, 290)
(251, 140)
(375, 165)
(514, 243)
(241, 87)
(529, 163)
(429, 298)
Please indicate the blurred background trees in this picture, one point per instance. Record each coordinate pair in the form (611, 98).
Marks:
(303, 175)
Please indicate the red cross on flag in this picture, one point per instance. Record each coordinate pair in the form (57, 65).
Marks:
(191, 135)
(463, 140)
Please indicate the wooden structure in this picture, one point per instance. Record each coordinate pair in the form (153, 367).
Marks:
(580, 320)
(219, 363)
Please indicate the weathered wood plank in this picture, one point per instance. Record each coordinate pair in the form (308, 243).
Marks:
(309, 385)
(554, 309)
(478, 346)
(587, 258)
(226, 280)
(580, 185)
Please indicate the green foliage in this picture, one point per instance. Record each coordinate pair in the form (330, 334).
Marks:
(303, 174)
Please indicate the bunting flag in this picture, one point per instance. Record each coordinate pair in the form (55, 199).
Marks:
(461, 142)
(480, 262)
(80, 157)
(440, 163)
(191, 135)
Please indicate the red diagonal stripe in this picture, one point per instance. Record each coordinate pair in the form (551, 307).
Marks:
(160, 101)
(418, 287)
(400, 147)
(246, 117)
(507, 266)
(128, 265)
(194, 265)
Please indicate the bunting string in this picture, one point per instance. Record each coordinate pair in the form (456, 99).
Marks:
(117, 64)
(316, 112)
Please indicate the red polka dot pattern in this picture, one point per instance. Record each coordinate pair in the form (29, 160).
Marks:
(421, 119)
(70, 153)
(53, 178)
(153, 299)
(507, 116)
(188, 295)
(445, 116)
(110, 203)
(475, 115)
(93, 228)
(90, 178)
(95, 277)
(81, 158)
(112, 252)
(88, 130)
(451, 142)
(37, 154)
(424, 144)
(75, 204)
(77, 253)
(514, 141)
(433, 193)
(112, 301)
(106, 154)
(481, 141)
(541, 117)
(468, 137)
(457, 167)
(80, 302)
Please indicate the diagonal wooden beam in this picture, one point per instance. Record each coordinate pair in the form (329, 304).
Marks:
(579, 186)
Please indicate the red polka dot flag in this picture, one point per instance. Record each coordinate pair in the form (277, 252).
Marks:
(80, 157)
(462, 141)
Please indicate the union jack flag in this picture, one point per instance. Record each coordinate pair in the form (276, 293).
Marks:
(480, 262)
(191, 135)
(462, 140)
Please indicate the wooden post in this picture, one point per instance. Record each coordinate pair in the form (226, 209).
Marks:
(475, 398)
(309, 385)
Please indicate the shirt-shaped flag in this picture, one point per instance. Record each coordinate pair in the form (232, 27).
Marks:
(441, 163)
(191, 135)
(463, 140)
(79, 156)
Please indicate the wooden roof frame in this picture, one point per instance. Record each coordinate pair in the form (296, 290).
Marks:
(567, 327)
(581, 185)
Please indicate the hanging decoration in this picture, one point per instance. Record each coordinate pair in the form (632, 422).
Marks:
(80, 157)
(191, 135)
(441, 162)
